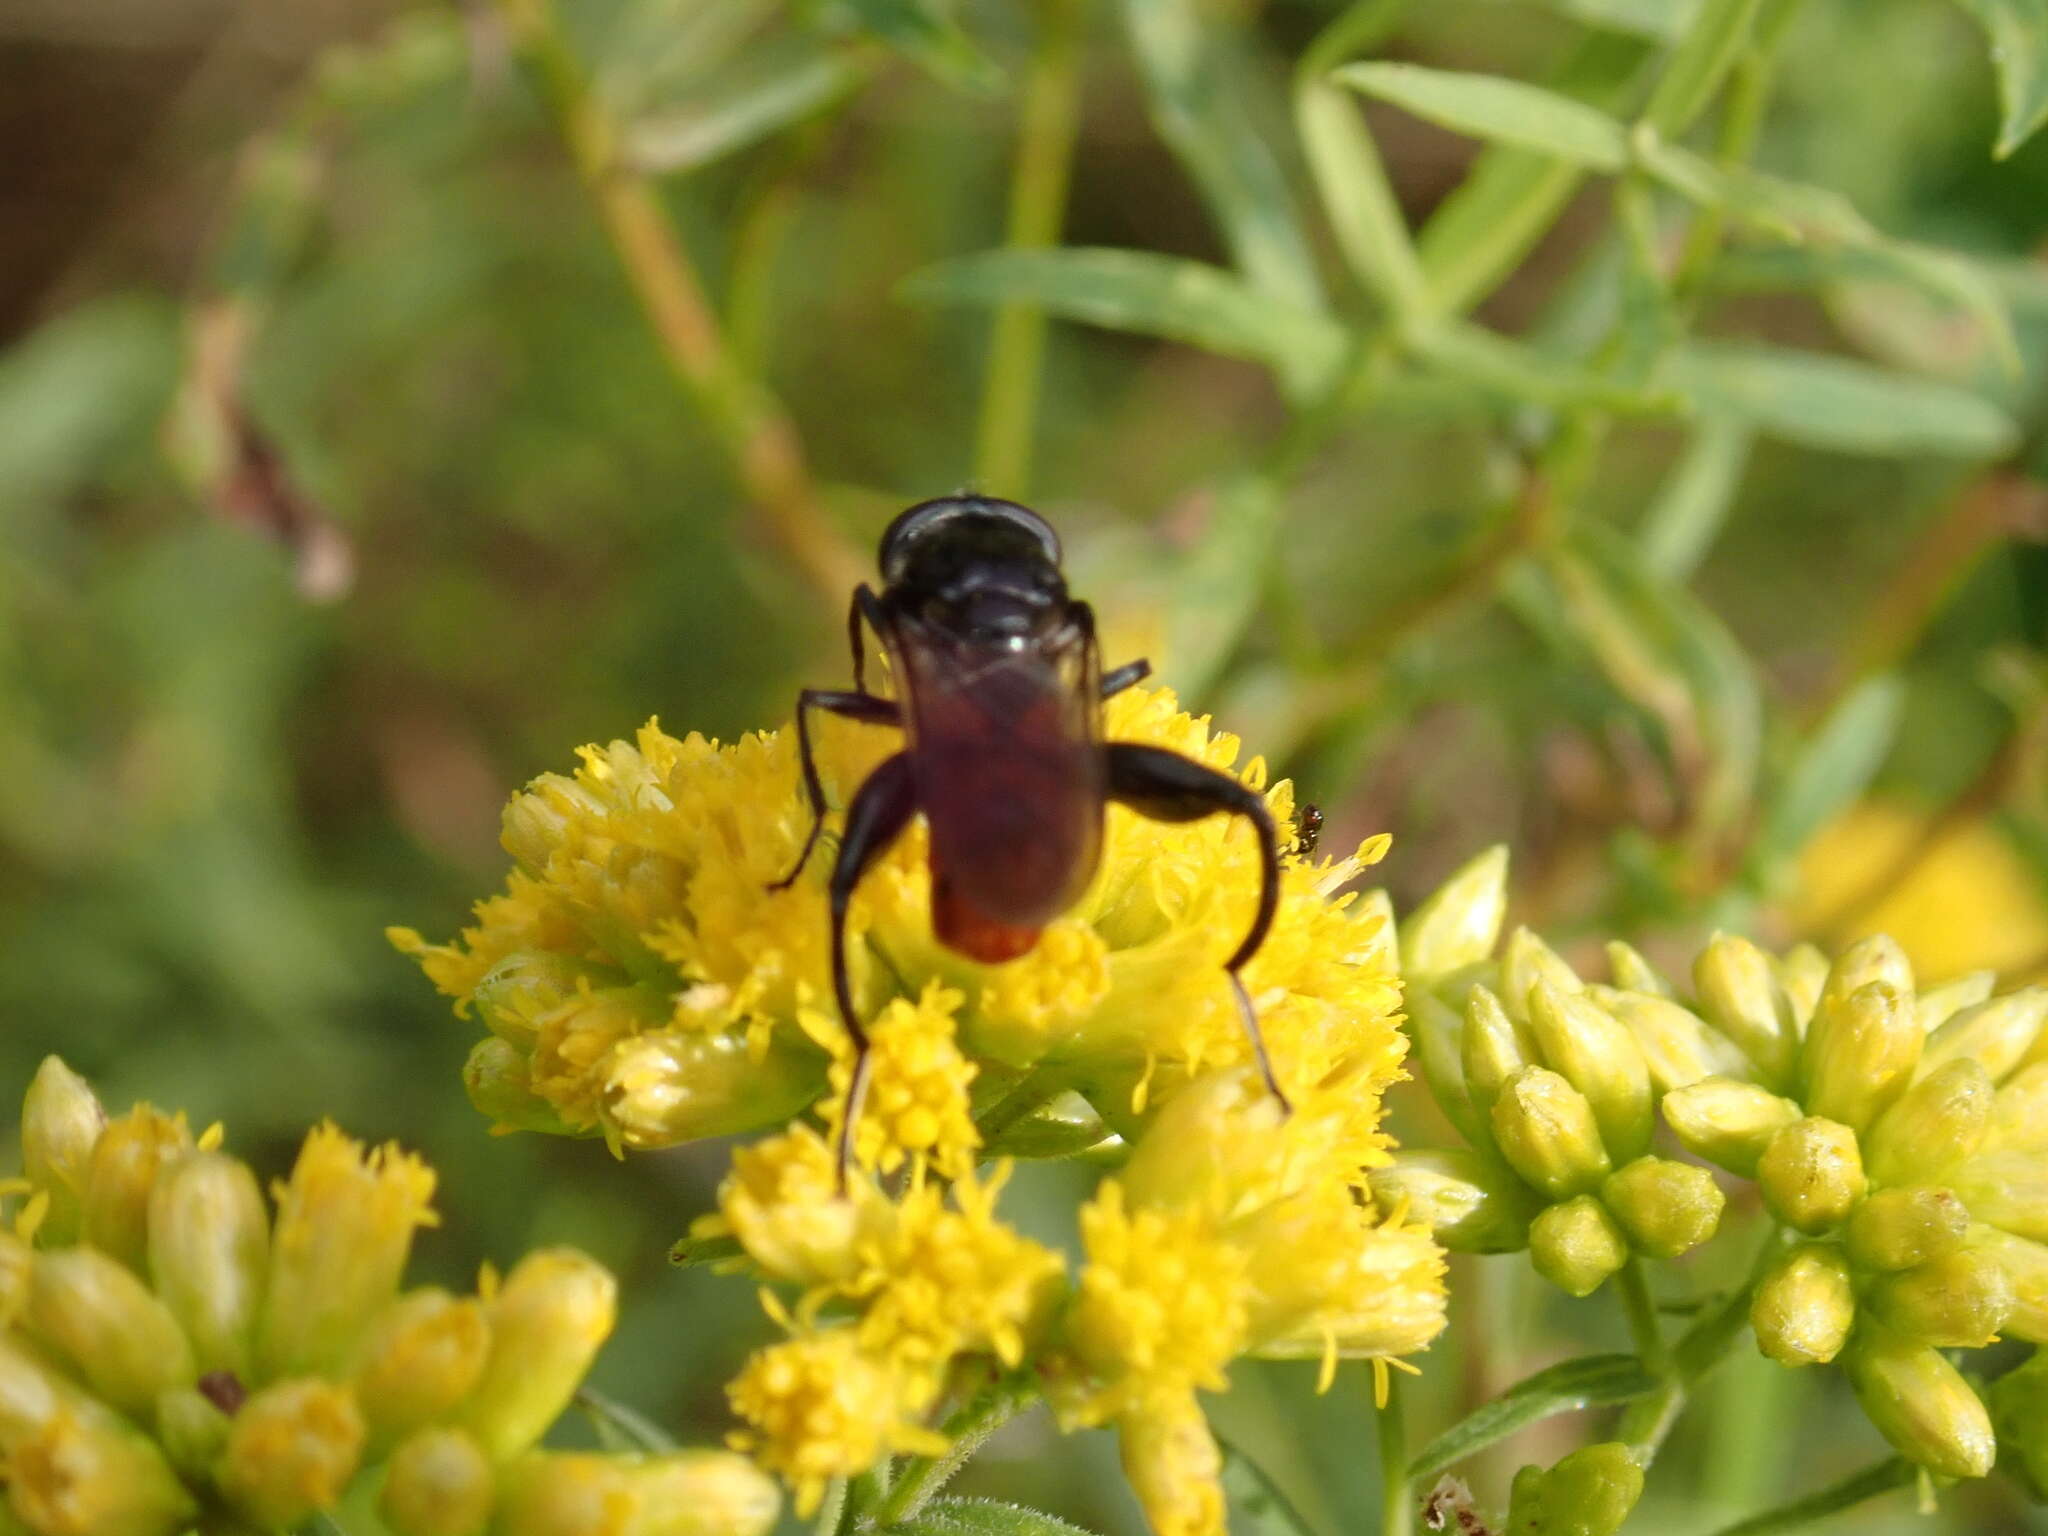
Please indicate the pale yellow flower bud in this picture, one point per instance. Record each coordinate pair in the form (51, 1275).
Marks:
(192, 1431)
(1937, 1005)
(1899, 1228)
(1803, 972)
(1435, 1028)
(1958, 1301)
(554, 1493)
(1589, 1493)
(1998, 1034)
(2026, 1263)
(2019, 1112)
(1811, 1174)
(1492, 1047)
(344, 1227)
(126, 1160)
(1676, 1044)
(547, 1321)
(422, 1355)
(110, 1326)
(1804, 1306)
(781, 1199)
(704, 1493)
(32, 1388)
(1726, 1121)
(1920, 1403)
(519, 989)
(1599, 1057)
(1460, 922)
(1873, 960)
(1525, 960)
(2008, 1190)
(1667, 1208)
(1468, 1200)
(292, 1450)
(439, 1483)
(1859, 1054)
(1632, 973)
(1549, 1133)
(1175, 1468)
(1941, 1121)
(209, 1254)
(61, 1121)
(1576, 1245)
(498, 1077)
(1741, 996)
(85, 1472)
(16, 1262)
(676, 1085)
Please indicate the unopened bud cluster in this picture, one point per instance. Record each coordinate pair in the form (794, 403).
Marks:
(173, 1354)
(1899, 1136)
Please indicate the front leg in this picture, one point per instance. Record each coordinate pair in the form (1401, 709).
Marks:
(1165, 786)
(864, 707)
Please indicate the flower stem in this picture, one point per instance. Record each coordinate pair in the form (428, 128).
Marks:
(1896, 1472)
(1648, 1420)
(919, 1478)
(756, 433)
(1397, 1504)
(1047, 126)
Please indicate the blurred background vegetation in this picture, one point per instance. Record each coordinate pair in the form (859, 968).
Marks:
(345, 484)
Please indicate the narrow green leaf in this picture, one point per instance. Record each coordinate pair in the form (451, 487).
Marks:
(1358, 198)
(621, 1427)
(1834, 767)
(1196, 88)
(1501, 110)
(1699, 64)
(925, 32)
(1587, 1382)
(1524, 374)
(1686, 516)
(983, 1517)
(2018, 33)
(689, 1252)
(1664, 20)
(1896, 1472)
(1840, 404)
(780, 82)
(1253, 1495)
(1785, 210)
(1152, 295)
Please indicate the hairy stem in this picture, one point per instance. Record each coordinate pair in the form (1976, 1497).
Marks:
(921, 1477)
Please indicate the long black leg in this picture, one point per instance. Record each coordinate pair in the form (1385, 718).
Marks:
(865, 606)
(854, 706)
(881, 809)
(1129, 675)
(1168, 787)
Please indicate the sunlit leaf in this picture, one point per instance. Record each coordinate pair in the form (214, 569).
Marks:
(1196, 88)
(1522, 373)
(780, 82)
(1501, 110)
(1834, 767)
(983, 1517)
(1840, 404)
(1357, 197)
(1683, 520)
(2018, 32)
(1705, 53)
(1587, 1382)
(1152, 295)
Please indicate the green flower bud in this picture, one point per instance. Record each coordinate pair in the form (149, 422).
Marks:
(2019, 1408)
(2008, 1190)
(1812, 1174)
(1859, 1054)
(498, 1077)
(1804, 1306)
(1875, 959)
(61, 1121)
(1937, 1005)
(439, 1483)
(1549, 1134)
(1460, 922)
(32, 1389)
(1803, 972)
(1598, 1057)
(422, 1356)
(1470, 1203)
(1435, 1027)
(126, 1160)
(1667, 1208)
(86, 1472)
(1576, 1245)
(1526, 960)
(1997, 1034)
(1902, 1227)
(2026, 1264)
(1958, 1301)
(192, 1431)
(704, 1493)
(209, 1251)
(1492, 1046)
(1676, 1044)
(2019, 1111)
(547, 1321)
(1741, 997)
(1632, 973)
(17, 1261)
(672, 1085)
(1939, 1122)
(519, 990)
(123, 1341)
(292, 1450)
(1589, 1493)
(1920, 1403)
(1726, 1121)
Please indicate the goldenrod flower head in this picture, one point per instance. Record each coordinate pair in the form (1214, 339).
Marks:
(683, 1493)
(84, 1473)
(439, 1483)
(546, 1322)
(422, 1356)
(917, 1102)
(1175, 1466)
(819, 1405)
(109, 1326)
(293, 1449)
(120, 1174)
(782, 1201)
(209, 1253)
(61, 1122)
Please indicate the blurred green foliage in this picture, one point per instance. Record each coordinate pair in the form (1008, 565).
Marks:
(1671, 488)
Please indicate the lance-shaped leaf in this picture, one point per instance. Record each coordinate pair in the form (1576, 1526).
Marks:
(983, 1517)
(1587, 1382)
(1500, 110)
(781, 81)
(925, 32)
(1263, 1509)
(2018, 32)
(1521, 373)
(1835, 766)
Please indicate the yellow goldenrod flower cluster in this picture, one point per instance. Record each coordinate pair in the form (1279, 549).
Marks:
(640, 980)
(174, 1356)
(1899, 1136)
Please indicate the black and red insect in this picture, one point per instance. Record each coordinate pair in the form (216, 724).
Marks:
(1000, 692)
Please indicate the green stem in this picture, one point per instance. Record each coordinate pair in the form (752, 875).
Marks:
(923, 1476)
(1047, 126)
(1896, 1472)
(832, 1511)
(1397, 1503)
(1648, 1420)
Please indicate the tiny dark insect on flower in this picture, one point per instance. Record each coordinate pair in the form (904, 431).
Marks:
(1001, 689)
(1308, 830)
